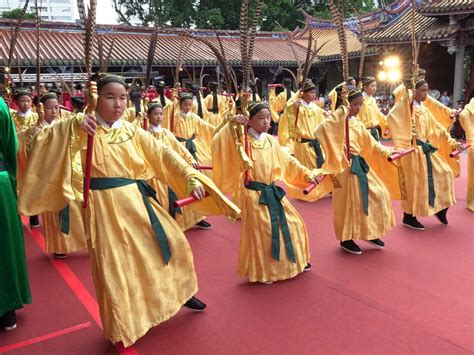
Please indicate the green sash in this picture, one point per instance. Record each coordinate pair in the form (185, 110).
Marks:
(190, 146)
(360, 168)
(172, 198)
(314, 143)
(428, 149)
(271, 195)
(146, 191)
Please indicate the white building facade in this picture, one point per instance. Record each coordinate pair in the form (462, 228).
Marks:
(50, 10)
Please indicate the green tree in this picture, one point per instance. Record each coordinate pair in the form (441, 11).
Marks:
(16, 13)
(277, 15)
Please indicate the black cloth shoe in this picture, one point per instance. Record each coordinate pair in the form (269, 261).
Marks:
(34, 222)
(307, 267)
(59, 255)
(376, 243)
(351, 247)
(195, 304)
(441, 215)
(8, 320)
(203, 225)
(411, 222)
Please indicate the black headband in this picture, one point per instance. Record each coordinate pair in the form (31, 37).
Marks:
(419, 83)
(255, 107)
(185, 96)
(48, 96)
(354, 94)
(21, 93)
(308, 86)
(104, 79)
(368, 80)
(152, 106)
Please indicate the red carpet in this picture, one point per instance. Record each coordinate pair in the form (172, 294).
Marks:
(416, 296)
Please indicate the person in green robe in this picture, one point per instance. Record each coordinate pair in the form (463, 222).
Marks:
(14, 286)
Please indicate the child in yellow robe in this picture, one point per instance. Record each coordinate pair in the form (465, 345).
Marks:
(142, 264)
(467, 121)
(362, 206)
(63, 230)
(370, 114)
(215, 104)
(24, 117)
(429, 172)
(278, 102)
(296, 131)
(184, 216)
(191, 131)
(274, 242)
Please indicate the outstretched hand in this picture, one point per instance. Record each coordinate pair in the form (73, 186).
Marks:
(198, 192)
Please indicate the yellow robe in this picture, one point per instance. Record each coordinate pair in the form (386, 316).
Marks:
(188, 125)
(24, 122)
(187, 218)
(215, 118)
(277, 103)
(350, 220)
(135, 289)
(467, 121)
(371, 116)
(425, 127)
(291, 133)
(271, 164)
(195, 108)
(55, 241)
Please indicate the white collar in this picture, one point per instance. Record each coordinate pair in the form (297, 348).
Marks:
(45, 123)
(305, 104)
(23, 114)
(182, 113)
(352, 117)
(365, 94)
(101, 122)
(156, 128)
(416, 103)
(256, 135)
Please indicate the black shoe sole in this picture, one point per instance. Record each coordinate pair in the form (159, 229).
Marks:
(375, 245)
(413, 227)
(201, 227)
(350, 251)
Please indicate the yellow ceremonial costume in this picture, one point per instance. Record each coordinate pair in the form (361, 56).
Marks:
(215, 118)
(428, 172)
(192, 132)
(362, 207)
(371, 117)
(24, 120)
(195, 107)
(277, 103)
(184, 216)
(257, 254)
(63, 230)
(467, 121)
(298, 134)
(142, 264)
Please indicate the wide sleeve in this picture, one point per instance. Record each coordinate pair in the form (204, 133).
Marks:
(330, 134)
(9, 143)
(441, 139)
(466, 118)
(204, 129)
(442, 113)
(51, 181)
(163, 162)
(227, 168)
(376, 155)
(399, 120)
(286, 125)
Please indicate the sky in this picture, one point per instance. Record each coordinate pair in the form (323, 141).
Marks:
(105, 12)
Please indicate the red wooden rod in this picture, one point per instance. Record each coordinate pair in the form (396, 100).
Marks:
(204, 167)
(396, 156)
(313, 185)
(186, 201)
(460, 149)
